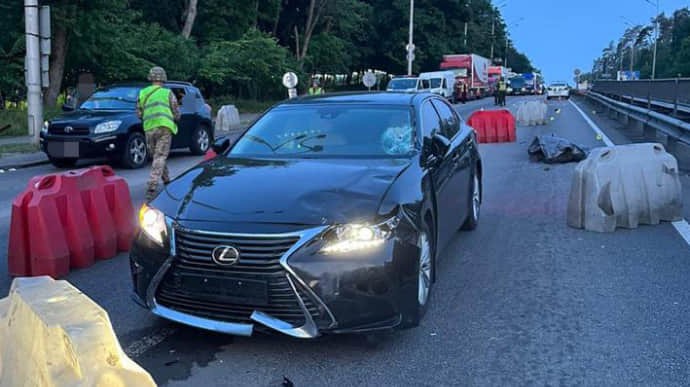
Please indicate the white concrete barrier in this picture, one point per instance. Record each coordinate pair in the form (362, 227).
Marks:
(228, 118)
(53, 335)
(624, 186)
(532, 113)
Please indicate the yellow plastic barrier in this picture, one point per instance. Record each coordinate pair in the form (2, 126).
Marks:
(52, 335)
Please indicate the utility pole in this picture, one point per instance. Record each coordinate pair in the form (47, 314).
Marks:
(465, 42)
(410, 45)
(33, 69)
(493, 34)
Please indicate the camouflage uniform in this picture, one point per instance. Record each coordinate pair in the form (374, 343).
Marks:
(158, 141)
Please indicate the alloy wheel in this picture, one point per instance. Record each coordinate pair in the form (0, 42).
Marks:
(424, 269)
(203, 140)
(476, 197)
(137, 150)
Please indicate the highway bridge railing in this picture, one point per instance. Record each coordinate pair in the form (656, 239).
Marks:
(670, 96)
(651, 123)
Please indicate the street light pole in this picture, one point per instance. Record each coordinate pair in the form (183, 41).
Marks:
(410, 47)
(656, 39)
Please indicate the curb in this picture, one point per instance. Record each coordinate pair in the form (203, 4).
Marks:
(23, 164)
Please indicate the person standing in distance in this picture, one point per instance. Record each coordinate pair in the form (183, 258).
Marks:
(315, 88)
(158, 110)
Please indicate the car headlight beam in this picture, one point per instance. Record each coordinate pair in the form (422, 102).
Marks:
(356, 237)
(152, 223)
(107, 126)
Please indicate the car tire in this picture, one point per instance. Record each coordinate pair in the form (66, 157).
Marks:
(426, 271)
(63, 162)
(135, 154)
(474, 202)
(201, 140)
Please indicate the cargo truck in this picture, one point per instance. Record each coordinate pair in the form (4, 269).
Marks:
(470, 70)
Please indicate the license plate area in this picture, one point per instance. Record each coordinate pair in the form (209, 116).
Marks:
(227, 289)
(63, 149)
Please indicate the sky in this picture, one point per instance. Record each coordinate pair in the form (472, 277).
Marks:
(559, 36)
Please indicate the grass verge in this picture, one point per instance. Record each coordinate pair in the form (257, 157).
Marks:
(17, 119)
(17, 148)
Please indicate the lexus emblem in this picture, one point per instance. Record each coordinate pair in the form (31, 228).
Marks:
(225, 255)
(68, 129)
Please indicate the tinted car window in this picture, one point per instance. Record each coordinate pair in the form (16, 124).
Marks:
(333, 130)
(449, 121)
(430, 120)
(116, 98)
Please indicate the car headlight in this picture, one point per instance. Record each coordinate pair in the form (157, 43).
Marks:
(45, 126)
(354, 237)
(152, 222)
(107, 127)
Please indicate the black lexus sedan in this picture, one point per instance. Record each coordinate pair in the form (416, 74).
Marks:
(325, 216)
(106, 125)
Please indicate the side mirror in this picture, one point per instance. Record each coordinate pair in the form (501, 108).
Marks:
(439, 145)
(221, 144)
(435, 149)
(68, 108)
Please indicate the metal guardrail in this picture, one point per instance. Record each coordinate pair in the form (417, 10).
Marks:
(671, 95)
(651, 121)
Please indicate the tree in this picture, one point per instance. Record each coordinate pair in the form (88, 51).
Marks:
(190, 16)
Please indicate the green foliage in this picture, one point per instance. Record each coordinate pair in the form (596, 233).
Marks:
(242, 48)
(251, 66)
(673, 49)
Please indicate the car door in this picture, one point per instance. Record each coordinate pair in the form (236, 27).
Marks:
(459, 162)
(189, 118)
(441, 175)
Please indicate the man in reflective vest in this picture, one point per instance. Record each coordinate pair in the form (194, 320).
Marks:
(158, 110)
(502, 89)
(315, 88)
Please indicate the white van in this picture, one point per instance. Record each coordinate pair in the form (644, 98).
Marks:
(441, 83)
(408, 84)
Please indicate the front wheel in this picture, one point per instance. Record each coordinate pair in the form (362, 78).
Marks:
(474, 203)
(426, 267)
(201, 141)
(135, 153)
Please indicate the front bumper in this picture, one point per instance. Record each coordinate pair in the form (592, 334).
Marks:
(65, 146)
(309, 294)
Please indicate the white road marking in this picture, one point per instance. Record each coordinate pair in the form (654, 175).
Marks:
(682, 225)
(594, 126)
(142, 345)
(683, 229)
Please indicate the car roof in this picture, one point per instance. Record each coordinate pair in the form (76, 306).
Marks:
(374, 98)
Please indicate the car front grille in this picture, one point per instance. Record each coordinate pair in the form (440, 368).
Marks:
(74, 130)
(259, 264)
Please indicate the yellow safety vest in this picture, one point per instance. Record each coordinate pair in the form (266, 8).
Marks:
(156, 112)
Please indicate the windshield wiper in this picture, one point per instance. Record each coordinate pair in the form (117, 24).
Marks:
(302, 137)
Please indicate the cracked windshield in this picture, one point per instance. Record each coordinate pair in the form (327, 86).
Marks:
(344, 192)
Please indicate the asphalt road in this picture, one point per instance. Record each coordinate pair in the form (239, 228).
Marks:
(523, 299)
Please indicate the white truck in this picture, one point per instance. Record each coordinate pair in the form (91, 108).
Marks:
(441, 83)
(408, 84)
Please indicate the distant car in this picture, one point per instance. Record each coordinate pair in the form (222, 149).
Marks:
(517, 86)
(325, 216)
(106, 125)
(558, 90)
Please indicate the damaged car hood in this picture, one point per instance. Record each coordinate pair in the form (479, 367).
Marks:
(286, 191)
